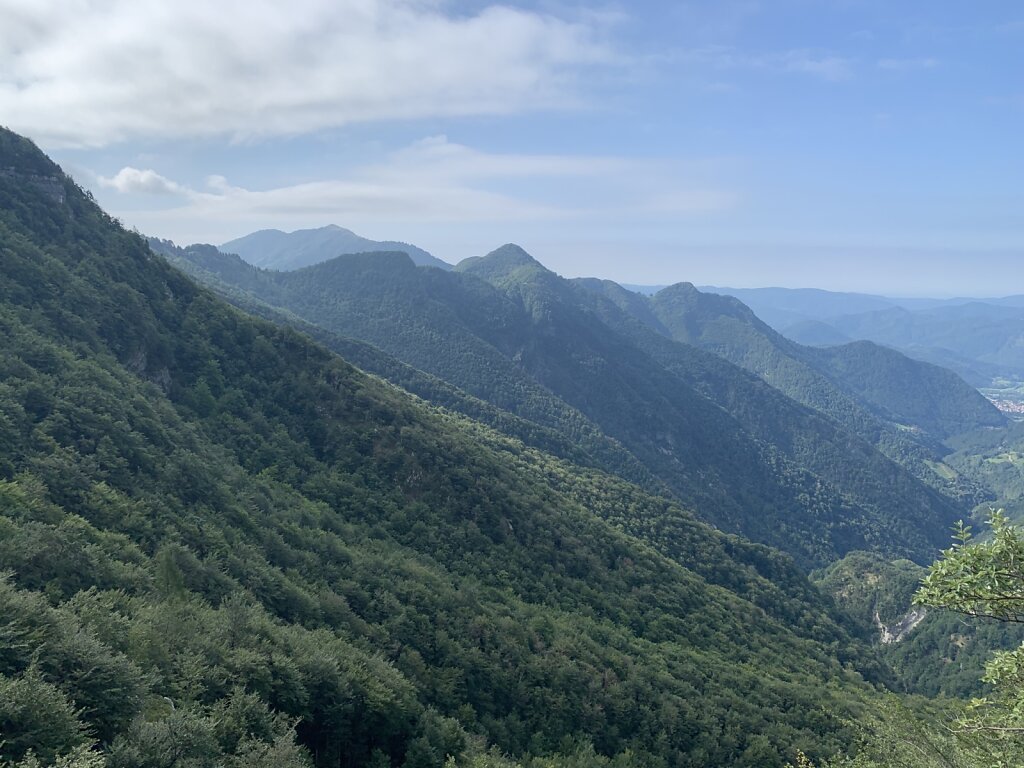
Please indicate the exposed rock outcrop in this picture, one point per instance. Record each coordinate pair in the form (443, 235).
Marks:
(52, 186)
(898, 632)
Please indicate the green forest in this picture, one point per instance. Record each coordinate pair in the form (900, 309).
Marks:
(224, 544)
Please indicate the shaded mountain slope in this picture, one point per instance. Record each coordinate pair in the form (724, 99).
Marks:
(792, 439)
(908, 392)
(435, 322)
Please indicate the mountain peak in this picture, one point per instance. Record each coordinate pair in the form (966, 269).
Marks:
(706, 304)
(499, 263)
(681, 287)
(511, 252)
(334, 228)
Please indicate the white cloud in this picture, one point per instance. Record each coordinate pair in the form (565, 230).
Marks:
(433, 182)
(91, 73)
(148, 182)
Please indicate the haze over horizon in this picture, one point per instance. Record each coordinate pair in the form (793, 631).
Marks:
(226, 247)
(861, 147)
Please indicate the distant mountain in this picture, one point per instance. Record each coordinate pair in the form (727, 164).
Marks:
(927, 303)
(979, 339)
(273, 249)
(815, 333)
(505, 330)
(894, 387)
(782, 307)
(986, 333)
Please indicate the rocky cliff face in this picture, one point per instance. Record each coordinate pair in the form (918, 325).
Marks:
(52, 186)
(895, 633)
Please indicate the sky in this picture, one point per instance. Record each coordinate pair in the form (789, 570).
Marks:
(858, 145)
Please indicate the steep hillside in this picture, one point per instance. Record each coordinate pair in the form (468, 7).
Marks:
(793, 435)
(908, 392)
(994, 458)
(217, 529)
(273, 249)
(428, 320)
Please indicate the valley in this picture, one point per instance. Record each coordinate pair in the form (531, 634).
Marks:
(519, 384)
(369, 512)
(1007, 395)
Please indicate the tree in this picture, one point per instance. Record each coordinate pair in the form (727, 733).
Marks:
(985, 579)
(36, 717)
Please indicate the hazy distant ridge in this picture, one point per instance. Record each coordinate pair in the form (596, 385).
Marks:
(284, 251)
(978, 338)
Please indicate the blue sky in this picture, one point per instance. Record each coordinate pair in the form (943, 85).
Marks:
(850, 145)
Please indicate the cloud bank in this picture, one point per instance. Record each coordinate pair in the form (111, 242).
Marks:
(433, 181)
(96, 72)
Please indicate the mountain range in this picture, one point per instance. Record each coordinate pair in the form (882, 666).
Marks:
(598, 367)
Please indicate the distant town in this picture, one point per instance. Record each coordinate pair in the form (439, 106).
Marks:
(1015, 407)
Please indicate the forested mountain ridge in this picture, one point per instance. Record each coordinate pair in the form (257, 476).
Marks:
(215, 528)
(418, 317)
(585, 447)
(530, 344)
(903, 407)
(987, 335)
(859, 384)
(791, 435)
